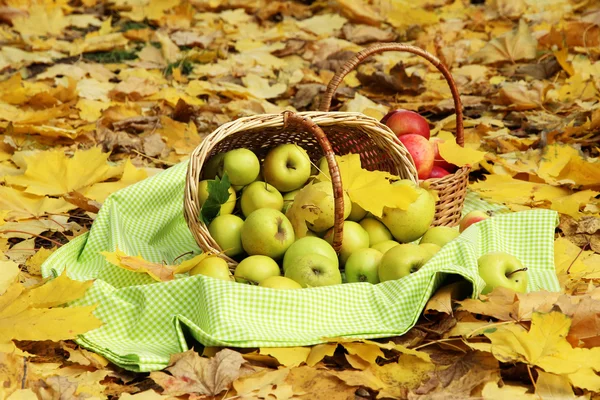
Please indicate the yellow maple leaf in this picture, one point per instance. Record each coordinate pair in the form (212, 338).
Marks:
(518, 44)
(544, 345)
(551, 386)
(585, 378)
(53, 173)
(34, 263)
(571, 204)
(23, 205)
(304, 209)
(287, 356)
(28, 314)
(10, 272)
(41, 21)
(323, 25)
(319, 351)
(259, 87)
(371, 190)
(491, 391)
(405, 13)
(160, 272)
(100, 191)
(461, 156)
(407, 373)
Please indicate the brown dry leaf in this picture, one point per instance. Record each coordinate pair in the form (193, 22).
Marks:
(190, 373)
(513, 46)
(585, 315)
(461, 377)
(314, 384)
(442, 299)
(364, 378)
(11, 373)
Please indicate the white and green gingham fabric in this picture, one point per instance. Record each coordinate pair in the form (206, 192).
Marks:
(147, 321)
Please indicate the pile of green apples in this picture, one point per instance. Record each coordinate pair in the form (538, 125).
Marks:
(253, 229)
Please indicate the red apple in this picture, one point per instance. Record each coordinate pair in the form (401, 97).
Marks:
(403, 122)
(421, 151)
(438, 159)
(438, 172)
(471, 218)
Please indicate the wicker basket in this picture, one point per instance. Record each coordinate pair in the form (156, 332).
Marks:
(319, 133)
(452, 188)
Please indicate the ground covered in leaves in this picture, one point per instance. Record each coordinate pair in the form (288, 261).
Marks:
(95, 96)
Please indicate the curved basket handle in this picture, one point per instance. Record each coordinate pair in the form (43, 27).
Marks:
(383, 47)
(291, 118)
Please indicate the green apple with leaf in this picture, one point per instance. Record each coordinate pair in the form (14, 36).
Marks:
(501, 269)
(280, 282)
(241, 165)
(267, 232)
(226, 230)
(287, 167)
(255, 269)
(226, 208)
(213, 266)
(311, 270)
(325, 206)
(410, 224)
(260, 195)
(363, 266)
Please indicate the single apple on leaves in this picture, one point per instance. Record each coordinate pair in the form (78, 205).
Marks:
(472, 218)
(376, 229)
(383, 247)
(260, 195)
(213, 266)
(403, 122)
(363, 265)
(401, 261)
(226, 231)
(311, 270)
(439, 235)
(287, 167)
(354, 238)
(306, 245)
(226, 208)
(499, 268)
(280, 282)
(410, 224)
(255, 269)
(421, 152)
(267, 232)
(241, 165)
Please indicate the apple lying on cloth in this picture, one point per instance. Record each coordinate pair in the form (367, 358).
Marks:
(363, 265)
(280, 282)
(439, 235)
(401, 261)
(255, 269)
(502, 269)
(311, 270)
(307, 245)
(213, 266)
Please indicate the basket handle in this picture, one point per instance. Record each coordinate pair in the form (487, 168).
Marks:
(291, 118)
(383, 47)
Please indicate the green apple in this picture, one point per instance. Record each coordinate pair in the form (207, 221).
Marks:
(226, 208)
(325, 206)
(287, 167)
(288, 199)
(306, 245)
(260, 195)
(211, 167)
(280, 282)
(440, 235)
(363, 265)
(432, 248)
(356, 213)
(499, 268)
(241, 165)
(313, 269)
(410, 224)
(472, 218)
(267, 232)
(226, 231)
(213, 266)
(255, 269)
(354, 238)
(377, 231)
(401, 261)
(385, 246)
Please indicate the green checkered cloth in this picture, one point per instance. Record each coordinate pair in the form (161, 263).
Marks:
(147, 321)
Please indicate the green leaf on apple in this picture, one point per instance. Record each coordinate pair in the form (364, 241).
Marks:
(218, 194)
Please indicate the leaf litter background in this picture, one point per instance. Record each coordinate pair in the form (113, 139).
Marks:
(95, 96)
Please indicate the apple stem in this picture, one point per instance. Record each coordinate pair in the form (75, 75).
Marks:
(515, 271)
